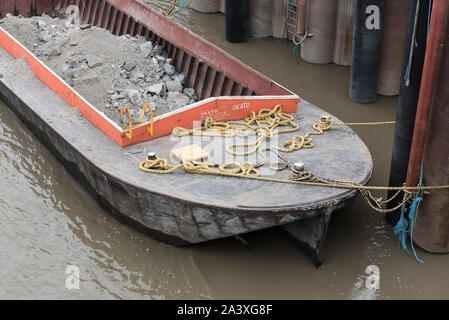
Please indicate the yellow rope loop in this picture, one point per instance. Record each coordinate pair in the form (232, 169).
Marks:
(171, 8)
(244, 169)
(181, 132)
(148, 107)
(157, 165)
(128, 129)
(190, 166)
(222, 127)
(256, 145)
(224, 167)
(324, 124)
(252, 117)
(296, 143)
(248, 169)
(208, 123)
(263, 114)
(294, 127)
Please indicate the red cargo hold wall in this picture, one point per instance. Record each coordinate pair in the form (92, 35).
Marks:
(43, 6)
(24, 7)
(7, 6)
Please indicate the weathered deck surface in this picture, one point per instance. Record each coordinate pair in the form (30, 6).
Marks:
(183, 208)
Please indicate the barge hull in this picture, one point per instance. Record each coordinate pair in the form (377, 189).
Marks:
(180, 221)
(166, 218)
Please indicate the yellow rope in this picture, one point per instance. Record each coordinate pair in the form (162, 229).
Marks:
(247, 170)
(364, 123)
(171, 8)
(161, 166)
(263, 124)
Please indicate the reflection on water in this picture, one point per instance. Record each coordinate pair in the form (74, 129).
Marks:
(48, 221)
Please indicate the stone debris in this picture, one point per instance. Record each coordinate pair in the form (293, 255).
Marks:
(129, 66)
(178, 98)
(157, 89)
(85, 26)
(174, 85)
(111, 72)
(169, 69)
(190, 93)
(93, 61)
(146, 49)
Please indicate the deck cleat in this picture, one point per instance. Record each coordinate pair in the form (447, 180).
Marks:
(298, 167)
(151, 156)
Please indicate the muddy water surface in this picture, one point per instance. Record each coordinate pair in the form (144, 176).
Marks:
(49, 222)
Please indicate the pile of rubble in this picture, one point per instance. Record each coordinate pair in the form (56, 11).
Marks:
(111, 72)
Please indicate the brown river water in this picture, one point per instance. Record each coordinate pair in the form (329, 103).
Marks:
(48, 221)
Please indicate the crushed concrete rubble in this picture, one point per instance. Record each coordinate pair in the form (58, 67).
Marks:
(111, 72)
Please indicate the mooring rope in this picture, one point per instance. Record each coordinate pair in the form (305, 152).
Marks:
(275, 118)
(263, 125)
(172, 7)
(246, 170)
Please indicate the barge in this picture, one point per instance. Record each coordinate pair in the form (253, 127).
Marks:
(180, 208)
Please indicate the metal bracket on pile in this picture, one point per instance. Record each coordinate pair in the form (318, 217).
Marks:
(129, 128)
(306, 34)
(304, 38)
(148, 107)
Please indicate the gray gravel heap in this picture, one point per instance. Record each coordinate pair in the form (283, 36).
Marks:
(111, 72)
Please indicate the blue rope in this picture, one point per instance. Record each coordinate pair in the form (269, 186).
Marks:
(402, 227)
(407, 71)
(181, 5)
(413, 215)
(296, 51)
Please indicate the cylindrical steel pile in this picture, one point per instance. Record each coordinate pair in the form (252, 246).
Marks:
(366, 50)
(392, 46)
(344, 31)
(322, 15)
(261, 18)
(431, 231)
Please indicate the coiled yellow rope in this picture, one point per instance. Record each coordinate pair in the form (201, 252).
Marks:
(263, 124)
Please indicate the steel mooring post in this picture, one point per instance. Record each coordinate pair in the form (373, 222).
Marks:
(431, 230)
(366, 50)
(412, 68)
(237, 21)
